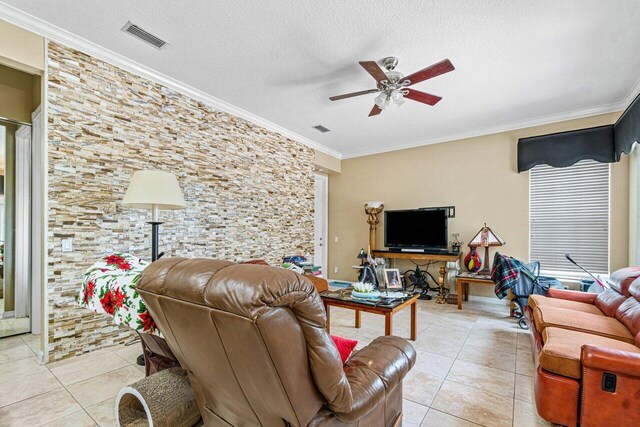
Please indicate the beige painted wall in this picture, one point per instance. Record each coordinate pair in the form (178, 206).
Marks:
(477, 175)
(19, 94)
(21, 49)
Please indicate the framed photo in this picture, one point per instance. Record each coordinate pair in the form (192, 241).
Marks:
(392, 278)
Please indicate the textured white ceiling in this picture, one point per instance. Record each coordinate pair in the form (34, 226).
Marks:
(517, 62)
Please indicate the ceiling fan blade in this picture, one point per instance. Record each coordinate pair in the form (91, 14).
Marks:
(429, 72)
(374, 69)
(426, 98)
(375, 111)
(349, 95)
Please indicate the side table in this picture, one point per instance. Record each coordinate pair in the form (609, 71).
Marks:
(462, 285)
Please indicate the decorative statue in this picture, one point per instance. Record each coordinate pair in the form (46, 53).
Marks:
(373, 209)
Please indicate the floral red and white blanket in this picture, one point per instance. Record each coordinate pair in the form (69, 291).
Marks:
(109, 287)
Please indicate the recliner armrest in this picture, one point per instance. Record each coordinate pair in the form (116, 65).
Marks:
(610, 387)
(374, 372)
(578, 296)
(610, 360)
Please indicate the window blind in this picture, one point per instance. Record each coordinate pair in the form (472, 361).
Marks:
(569, 209)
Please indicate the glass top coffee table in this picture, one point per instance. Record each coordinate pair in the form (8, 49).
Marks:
(342, 298)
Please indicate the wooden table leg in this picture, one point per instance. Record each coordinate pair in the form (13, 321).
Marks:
(326, 309)
(466, 291)
(388, 324)
(414, 333)
(459, 290)
(358, 318)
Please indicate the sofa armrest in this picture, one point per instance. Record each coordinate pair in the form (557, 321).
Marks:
(610, 360)
(578, 296)
(610, 386)
(374, 372)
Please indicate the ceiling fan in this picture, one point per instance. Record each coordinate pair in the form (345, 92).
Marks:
(393, 86)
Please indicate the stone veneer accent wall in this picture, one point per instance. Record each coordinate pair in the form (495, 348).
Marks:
(249, 191)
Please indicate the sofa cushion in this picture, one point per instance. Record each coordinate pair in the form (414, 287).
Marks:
(562, 347)
(608, 301)
(629, 314)
(542, 301)
(545, 317)
(621, 280)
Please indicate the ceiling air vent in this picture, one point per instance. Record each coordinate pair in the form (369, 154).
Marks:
(143, 35)
(322, 129)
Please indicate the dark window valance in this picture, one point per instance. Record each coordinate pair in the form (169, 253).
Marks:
(627, 129)
(566, 148)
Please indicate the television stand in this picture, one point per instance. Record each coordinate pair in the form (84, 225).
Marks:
(422, 256)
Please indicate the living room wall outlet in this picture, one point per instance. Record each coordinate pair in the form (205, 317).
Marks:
(249, 191)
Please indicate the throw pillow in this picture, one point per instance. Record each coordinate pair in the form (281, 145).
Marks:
(345, 347)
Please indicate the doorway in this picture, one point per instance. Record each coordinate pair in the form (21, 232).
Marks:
(321, 193)
(15, 228)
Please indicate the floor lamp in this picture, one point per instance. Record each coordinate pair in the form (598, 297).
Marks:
(155, 190)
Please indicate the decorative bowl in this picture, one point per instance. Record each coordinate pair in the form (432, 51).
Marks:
(365, 295)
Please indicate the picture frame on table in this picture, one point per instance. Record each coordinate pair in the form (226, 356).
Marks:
(392, 278)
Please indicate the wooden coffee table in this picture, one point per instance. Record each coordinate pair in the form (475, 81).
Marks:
(343, 299)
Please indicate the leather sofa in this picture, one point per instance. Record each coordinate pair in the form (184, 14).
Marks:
(586, 349)
(254, 343)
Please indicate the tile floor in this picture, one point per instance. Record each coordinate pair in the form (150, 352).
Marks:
(75, 392)
(11, 326)
(474, 368)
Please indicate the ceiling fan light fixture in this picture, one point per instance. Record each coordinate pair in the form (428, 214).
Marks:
(381, 100)
(397, 96)
(396, 104)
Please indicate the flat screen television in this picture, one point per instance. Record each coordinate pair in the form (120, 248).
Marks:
(416, 229)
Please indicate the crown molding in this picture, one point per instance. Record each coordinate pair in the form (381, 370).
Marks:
(633, 93)
(544, 120)
(36, 25)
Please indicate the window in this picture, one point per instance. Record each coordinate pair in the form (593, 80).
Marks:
(570, 214)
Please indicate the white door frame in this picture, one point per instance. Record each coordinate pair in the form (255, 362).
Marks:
(37, 221)
(323, 180)
(22, 242)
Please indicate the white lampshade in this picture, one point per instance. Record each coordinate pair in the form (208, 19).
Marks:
(374, 204)
(154, 189)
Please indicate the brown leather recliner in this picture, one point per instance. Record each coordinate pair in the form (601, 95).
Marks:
(254, 342)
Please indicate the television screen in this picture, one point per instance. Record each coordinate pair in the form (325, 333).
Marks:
(416, 229)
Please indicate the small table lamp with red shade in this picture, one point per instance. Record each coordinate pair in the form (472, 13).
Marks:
(486, 238)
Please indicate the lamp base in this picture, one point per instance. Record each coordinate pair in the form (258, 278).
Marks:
(155, 228)
(486, 269)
